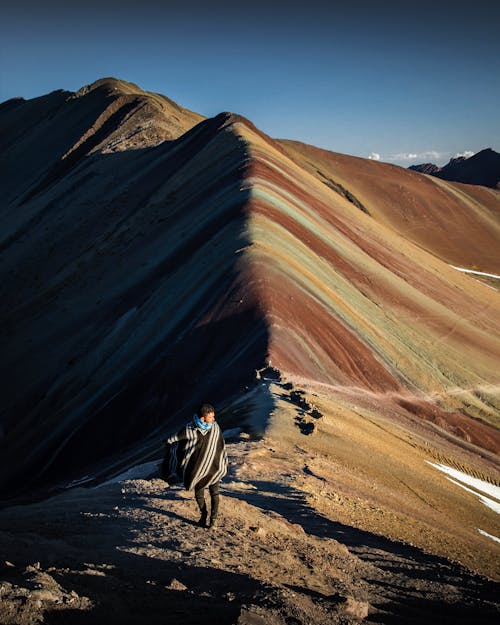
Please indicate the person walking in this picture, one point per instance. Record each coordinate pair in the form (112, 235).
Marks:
(197, 456)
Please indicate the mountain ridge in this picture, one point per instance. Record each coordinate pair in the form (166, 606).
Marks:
(300, 275)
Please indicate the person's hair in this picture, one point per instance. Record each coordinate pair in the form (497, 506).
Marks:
(205, 409)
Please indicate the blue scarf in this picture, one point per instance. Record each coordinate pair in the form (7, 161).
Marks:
(202, 425)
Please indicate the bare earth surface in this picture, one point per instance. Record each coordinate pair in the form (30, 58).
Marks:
(298, 542)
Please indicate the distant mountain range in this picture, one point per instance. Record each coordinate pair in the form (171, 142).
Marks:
(483, 168)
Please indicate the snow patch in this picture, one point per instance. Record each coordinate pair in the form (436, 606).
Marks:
(232, 433)
(479, 486)
(488, 535)
(476, 273)
(139, 472)
(465, 154)
(484, 500)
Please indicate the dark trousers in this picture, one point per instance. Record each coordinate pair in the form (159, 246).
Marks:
(199, 494)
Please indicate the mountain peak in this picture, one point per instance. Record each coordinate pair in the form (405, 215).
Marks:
(482, 168)
(111, 85)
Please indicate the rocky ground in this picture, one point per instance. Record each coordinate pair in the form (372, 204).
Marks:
(286, 550)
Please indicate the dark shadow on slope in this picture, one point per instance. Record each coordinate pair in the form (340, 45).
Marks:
(208, 354)
(171, 156)
(64, 165)
(408, 566)
(125, 597)
(415, 611)
(342, 191)
(212, 361)
(40, 131)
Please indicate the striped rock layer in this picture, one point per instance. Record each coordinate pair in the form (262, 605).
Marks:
(152, 258)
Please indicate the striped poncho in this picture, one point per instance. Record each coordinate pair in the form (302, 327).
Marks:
(198, 458)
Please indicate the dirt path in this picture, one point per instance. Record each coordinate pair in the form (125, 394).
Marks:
(131, 552)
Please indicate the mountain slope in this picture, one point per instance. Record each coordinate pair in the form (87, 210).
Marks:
(458, 223)
(352, 303)
(138, 282)
(51, 134)
(112, 288)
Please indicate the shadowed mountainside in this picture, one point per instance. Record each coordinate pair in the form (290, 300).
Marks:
(139, 277)
(123, 297)
(49, 135)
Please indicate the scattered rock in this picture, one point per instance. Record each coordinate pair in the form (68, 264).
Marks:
(44, 594)
(296, 397)
(249, 617)
(259, 531)
(175, 584)
(305, 427)
(270, 373)
(355, 607)
(97, 572)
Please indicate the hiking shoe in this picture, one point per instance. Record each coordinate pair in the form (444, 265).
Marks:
(203, 520)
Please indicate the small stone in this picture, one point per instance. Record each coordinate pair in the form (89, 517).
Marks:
(44, 595)
(175, 584)
(249, 617)
(356, 608)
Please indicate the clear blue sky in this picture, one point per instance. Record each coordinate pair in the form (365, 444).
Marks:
(390, 78)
